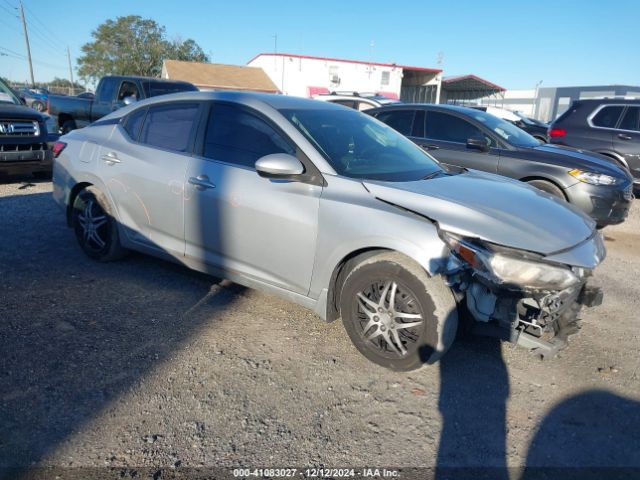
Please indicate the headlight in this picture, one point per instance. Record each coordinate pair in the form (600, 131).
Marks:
(511, 268)
(593, 178)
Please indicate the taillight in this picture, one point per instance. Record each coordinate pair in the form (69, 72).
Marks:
(557, 132)
(57, 148)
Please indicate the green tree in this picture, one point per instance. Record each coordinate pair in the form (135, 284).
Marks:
(133, 45)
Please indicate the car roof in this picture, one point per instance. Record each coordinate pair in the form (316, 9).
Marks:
(599, 101)
(141, 78)
(425, 106)
(252, 99)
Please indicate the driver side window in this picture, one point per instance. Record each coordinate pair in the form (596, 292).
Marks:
(449, 128)
(127, 89)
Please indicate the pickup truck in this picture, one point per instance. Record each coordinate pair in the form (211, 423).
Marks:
(113, 92)
(23, 137)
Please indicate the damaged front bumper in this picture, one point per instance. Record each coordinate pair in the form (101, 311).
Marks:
(541, 322)
(539, 316)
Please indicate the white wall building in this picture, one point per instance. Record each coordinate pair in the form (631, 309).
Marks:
(304, 76)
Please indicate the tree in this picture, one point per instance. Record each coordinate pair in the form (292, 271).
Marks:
(133, 45)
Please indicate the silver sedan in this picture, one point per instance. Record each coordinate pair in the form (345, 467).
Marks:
(333, 210)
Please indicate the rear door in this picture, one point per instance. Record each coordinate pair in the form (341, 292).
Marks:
(239, 222)
(103, 102)
(626, 139)
(143, 165)
(446, 138)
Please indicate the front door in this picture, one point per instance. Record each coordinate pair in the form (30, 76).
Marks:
(239, 222)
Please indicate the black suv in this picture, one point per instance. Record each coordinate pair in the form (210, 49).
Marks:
(23, 137)
(607, 126)
(464, 137)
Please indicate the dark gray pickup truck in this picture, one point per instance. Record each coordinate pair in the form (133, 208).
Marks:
(23, 137)
(113, 92)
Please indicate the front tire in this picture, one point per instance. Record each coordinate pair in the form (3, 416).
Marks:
(95, 227)
(67, 127)
(395, 314)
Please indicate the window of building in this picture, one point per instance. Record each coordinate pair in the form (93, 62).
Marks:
(384, 81)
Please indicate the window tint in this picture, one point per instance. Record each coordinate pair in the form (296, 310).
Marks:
(607, 117)
(153, 88)
(134, 122)
(442, 126)
(170, 126)
(400, 120)
(239, 137)
(107, 90)
(630, 119)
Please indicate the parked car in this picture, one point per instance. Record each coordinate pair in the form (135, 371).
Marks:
(23, 137)
(607, 126)
(37, 101)
(464, 137)
(355, 100)
(535, 128)
(335, 211)
(113, 92)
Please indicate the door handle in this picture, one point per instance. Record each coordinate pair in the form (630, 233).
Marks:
(110, 159)
(623, 136)
(430, 147)
(201, 182)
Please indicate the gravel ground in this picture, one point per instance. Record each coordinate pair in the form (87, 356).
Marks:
(144, 363)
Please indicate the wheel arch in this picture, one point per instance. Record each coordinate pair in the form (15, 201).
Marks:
(544, 179)
(615, 156)
(348, 261)
(73, 193)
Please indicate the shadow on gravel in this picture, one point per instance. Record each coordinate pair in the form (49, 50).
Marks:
(590, 436)
(593, 435)
(474, 388)
(75, 335)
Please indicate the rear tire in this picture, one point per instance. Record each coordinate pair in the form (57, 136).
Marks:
(548, 187)
(95, 227)
(392, 311)
(67, 127)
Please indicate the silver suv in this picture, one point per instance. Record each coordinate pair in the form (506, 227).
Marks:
(335, 211)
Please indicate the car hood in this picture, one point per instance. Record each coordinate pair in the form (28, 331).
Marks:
(573, 158)
(492, 208)
(18, 112)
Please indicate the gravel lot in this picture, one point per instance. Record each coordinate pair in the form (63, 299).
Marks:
(144, 363)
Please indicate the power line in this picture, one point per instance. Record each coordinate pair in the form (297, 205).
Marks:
(53, 35)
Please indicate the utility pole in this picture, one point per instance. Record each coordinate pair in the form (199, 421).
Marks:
(70, 71)
(26, 39)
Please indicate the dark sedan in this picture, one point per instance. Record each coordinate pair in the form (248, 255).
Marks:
(463, 137)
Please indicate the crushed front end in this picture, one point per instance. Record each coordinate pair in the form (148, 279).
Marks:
(524, 297)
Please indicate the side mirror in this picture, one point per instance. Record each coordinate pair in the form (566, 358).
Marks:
(279, 165)
(476, 143)
(129, 100)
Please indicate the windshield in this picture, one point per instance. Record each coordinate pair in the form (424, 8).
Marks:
(505, 130)
(531, 121)
(6, 95)
(359, 146)
(153, 89)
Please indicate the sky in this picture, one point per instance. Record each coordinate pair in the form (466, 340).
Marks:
(515, 44)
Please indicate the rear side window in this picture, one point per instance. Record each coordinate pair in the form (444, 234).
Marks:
(346, 103)
(400, 120)
(236, 136)
(607, 116)
(170, 126)
(449, 128)
(134, 122)
(630, 121)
